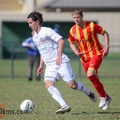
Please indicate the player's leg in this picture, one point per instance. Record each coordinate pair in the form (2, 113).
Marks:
(79, 86)
(30, 68)
(69, 77)
(37, 60)
(104, 98)
(93, 77)
(50, 78)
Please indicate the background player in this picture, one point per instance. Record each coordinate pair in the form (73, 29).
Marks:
(90, 51)
(33, 57)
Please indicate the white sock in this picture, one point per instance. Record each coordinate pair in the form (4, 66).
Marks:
(83, 88)
(57, 96)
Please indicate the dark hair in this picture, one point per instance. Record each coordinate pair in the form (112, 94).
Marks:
(78, 11)
(36, 16)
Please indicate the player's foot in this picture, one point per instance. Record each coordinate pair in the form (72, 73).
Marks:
(103, 101)
(29, 78)
(107, 104)
(63, 110)
(93, 97)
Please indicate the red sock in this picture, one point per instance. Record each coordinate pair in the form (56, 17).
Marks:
(98, 85)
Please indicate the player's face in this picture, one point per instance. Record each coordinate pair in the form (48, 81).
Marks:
(78, 19)
(34, 25)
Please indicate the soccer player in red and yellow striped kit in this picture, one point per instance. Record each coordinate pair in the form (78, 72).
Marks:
(90, 51)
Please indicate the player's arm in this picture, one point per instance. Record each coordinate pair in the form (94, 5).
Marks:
(107, 43)
(74, 49)
(73, 43)
(40, 68)
(60, 50)
(26, 43)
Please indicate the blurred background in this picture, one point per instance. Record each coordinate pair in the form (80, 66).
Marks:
(56, 14)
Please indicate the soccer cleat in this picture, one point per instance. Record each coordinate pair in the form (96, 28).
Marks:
(102, 101)
(63, 110)
(93, 97)
(107, 104)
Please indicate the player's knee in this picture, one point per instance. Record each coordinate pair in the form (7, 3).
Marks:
(92, 78)
(73, 85)
(48, 84)
(91, 72)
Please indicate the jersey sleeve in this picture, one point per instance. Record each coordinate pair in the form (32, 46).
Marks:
(71, 38)
(53, 35)
(98, 29)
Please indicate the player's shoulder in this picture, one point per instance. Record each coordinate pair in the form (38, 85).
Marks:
(73, 28)
(46, 31)
(89, 22)
(46, 28)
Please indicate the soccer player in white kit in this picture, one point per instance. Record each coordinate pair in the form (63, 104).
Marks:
(50, 45)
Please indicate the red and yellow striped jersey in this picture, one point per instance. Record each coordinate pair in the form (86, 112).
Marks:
(87, 39)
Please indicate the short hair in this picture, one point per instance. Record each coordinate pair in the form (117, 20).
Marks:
(36, 16)
(78, 11)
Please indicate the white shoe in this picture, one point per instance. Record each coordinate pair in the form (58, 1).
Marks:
(93, 97)
(107, 104)
(63, 110)
(103, 101)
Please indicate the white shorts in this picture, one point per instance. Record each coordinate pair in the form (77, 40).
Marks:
(64, 71)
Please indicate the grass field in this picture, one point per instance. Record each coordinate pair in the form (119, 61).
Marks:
(13, 92)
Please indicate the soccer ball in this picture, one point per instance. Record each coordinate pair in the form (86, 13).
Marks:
(27, 106)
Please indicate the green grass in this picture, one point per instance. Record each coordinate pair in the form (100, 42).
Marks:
(14, 91)
(109, 67)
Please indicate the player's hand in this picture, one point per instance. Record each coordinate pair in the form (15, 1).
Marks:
(39, 71)
(79, 53)
(58, 60)
(105, 51)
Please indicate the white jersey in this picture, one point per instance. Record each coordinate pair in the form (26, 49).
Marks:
(46, 42)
